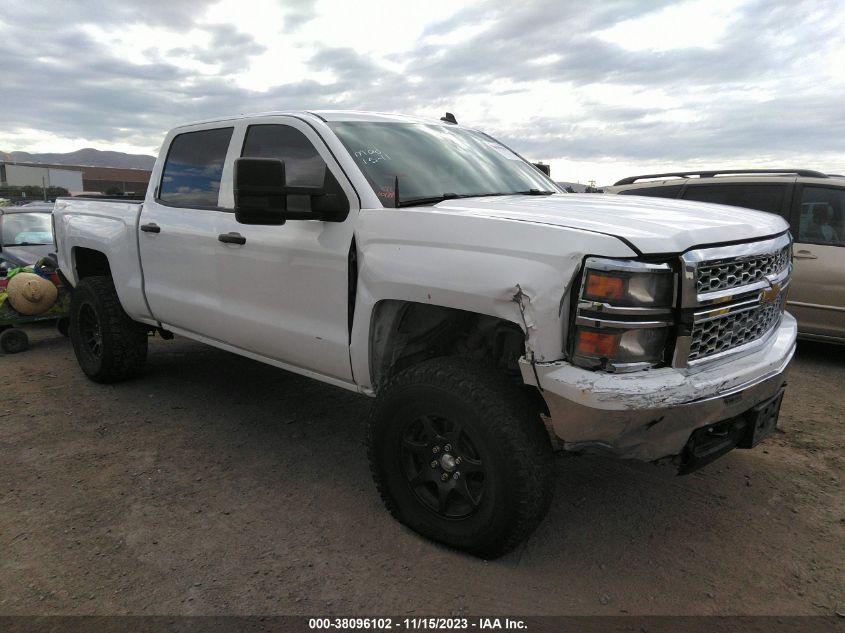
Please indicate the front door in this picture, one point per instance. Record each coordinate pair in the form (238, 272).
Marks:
(288, 286)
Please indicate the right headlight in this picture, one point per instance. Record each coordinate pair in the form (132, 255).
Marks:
(624, 315)
(628, 288)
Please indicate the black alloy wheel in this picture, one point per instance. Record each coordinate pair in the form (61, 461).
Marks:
(459, 453)
(109, 345)
(443, 466)
(89, 329)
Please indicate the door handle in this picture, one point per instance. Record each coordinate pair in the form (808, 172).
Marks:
(803, 254)
(152, 227)
(232, 238)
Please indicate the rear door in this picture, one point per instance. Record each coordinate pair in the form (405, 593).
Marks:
(817, 295)
(178, 236)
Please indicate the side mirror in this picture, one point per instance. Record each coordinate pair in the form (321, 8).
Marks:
(262, 195)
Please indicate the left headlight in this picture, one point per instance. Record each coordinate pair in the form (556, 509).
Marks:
(624, 316)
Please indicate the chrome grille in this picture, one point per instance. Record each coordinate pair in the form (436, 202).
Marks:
(733, 273)
(732, 297)
(731, 330)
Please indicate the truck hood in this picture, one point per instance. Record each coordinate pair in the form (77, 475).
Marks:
(652, 225)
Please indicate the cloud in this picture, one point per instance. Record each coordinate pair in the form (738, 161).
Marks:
(562, 84)
(229, 48)
(180, 14)
(760, 88)
(74, 86)
(299, 13)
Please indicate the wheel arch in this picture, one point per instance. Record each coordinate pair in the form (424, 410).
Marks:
(385, 296)
(89, 262)
(405, 333)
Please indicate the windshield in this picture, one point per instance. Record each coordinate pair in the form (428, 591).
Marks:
(20, 229)
(435, 161)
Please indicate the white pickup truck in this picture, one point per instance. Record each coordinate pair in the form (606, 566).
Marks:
(493, 317)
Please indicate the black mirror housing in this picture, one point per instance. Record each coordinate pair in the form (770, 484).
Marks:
(261, 195)
(259, 191)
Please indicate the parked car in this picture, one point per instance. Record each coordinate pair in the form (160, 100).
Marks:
(26, 234)
(814, 205)
(491, 316)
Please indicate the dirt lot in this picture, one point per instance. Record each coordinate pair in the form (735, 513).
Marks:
(217, 485)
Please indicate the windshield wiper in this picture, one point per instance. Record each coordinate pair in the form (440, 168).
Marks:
(428, 200)
(453, 196)
(533, 192)
(448, 196)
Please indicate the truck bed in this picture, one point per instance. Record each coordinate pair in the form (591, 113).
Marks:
(108, 226)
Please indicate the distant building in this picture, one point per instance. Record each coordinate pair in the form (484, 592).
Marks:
(14, 174)
(74, 178)
(110, 179)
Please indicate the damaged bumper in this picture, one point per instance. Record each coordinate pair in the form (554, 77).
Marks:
(653, 414)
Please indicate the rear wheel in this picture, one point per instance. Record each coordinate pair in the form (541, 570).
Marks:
(109, 346)
(13, 341)
(460, 455)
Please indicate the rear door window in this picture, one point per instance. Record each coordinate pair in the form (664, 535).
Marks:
(768, 198)
(191, 176)
(821, 219)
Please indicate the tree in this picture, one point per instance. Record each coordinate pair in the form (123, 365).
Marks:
(32, 193)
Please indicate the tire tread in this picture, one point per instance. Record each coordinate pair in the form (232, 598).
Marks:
(124, 340)
(509, 413)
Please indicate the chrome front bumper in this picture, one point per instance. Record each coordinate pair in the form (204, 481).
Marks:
(650, 415)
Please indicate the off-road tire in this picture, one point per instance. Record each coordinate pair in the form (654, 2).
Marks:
(63, 326)
(121, 348)
(507, 432)
(13, 341)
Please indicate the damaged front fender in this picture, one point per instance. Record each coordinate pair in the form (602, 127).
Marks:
(470, 263)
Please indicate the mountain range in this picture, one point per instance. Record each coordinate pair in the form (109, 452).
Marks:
(88, 156)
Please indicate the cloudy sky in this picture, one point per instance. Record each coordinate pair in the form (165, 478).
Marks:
(599, 90)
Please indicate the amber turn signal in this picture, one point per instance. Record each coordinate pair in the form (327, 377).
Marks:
(603, 286)
(597, 344)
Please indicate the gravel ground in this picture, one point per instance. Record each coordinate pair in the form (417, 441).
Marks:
(217, 485)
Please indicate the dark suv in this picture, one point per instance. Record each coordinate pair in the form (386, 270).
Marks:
(814, 205)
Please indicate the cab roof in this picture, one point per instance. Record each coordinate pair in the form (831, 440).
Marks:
(328, 115)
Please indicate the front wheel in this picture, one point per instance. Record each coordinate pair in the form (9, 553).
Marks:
(460, 455)
(109, 346)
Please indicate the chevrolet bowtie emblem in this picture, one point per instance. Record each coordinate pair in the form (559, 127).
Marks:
(771, 293)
